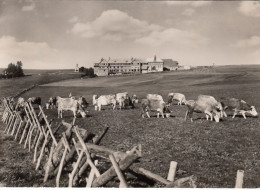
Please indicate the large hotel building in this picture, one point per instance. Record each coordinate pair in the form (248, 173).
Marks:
(132, 66)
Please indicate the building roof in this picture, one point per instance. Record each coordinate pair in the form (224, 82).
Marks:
(119, 61)
(139, 60)
(154, 59)
(170, 63)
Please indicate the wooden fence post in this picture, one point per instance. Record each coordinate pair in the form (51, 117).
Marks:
(48, 163)
(172, 171)
(239, 180)
(120, 175)
(17, 132)
(24, 130)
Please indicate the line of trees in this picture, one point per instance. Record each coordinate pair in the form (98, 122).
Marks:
(88, 72)
(13, 70)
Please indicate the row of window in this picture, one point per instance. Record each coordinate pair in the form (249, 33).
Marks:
(125, 70)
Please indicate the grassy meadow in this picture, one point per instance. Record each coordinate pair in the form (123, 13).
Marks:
(211, 151)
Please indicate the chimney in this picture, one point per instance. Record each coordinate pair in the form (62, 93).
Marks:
(154, 58)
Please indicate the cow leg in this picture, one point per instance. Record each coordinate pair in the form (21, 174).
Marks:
(210, 114)
(244, 114)
(224, 114)
(162, 114)
(158, 114)
(114, 106)
(234, 115)
(147, 113)
(186, 114)
(207, 116)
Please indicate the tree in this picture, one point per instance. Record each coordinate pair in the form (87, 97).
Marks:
(14, 70)
(82, 69)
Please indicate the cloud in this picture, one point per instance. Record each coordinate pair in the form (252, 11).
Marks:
(251, 42)
(28, 8)
(188, 12)
(189, 3)
(250, 8)
(114, 25)
(35, 55)
(74, 19)
(173, 36)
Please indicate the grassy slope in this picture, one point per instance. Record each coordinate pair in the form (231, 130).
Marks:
(10, 87)
(213, 152)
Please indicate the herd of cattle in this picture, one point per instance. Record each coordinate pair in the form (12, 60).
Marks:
(153, 102)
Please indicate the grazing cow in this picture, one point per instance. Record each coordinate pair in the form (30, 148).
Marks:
(205, 104)
(52, 102)
(104, 100)
(154, 102)
(69, 104)
(35, 100)
(83, 102)
(129, 102)
(20, 103)
(120, 99)
(134, 99)
(47, 105)
(154, 96)
(72, 97)
(176, 96)
(239, 106)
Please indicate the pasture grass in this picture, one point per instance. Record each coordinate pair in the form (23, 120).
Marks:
(213, 152)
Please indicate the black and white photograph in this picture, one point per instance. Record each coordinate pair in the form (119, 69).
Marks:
(129, 94)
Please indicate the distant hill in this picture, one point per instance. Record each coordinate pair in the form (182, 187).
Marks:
(38, 71)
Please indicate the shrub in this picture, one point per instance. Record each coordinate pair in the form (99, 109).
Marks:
(13, 70)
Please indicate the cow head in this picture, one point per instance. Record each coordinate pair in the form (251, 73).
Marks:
(217, 117)
(50, 100)
(134, 99)
(167, 111)
(83, 102)
(47, 106)
(253, 111)
(170, 97)
(81, 111)
(94, 99)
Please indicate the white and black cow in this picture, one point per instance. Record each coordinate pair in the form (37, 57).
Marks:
(154, 102)
(20, 103)
(104, 100)
(180, 98)
(69, 104)
(239, 106)
(35, 100)
(204, 104)
(120, 99)
(51, 103)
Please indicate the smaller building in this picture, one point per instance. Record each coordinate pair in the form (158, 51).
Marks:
(76, 68)
(185, 67)
(154, 65)
(170, 65)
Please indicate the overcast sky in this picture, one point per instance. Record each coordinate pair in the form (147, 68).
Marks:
(59, 34)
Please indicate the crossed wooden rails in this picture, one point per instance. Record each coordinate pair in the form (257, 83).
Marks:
(74, 142)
